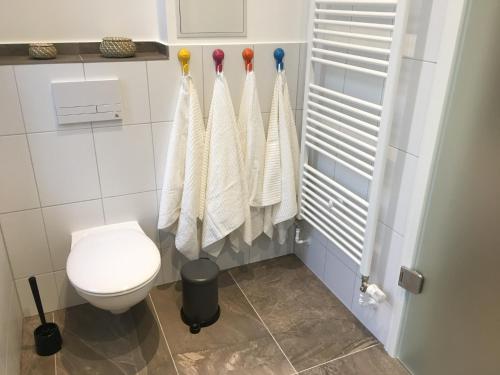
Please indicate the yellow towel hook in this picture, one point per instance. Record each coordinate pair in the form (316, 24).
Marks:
(184, 55)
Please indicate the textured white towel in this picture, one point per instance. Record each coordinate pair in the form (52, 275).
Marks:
(180, 196)
(224, 206)
(253, 141)
(283, 213)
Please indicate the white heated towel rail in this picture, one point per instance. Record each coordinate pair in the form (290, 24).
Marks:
(364, 37)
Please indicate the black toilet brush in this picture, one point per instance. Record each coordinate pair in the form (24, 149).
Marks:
(48, 339)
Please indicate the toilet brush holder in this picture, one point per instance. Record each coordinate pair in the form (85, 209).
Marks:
(48, 339)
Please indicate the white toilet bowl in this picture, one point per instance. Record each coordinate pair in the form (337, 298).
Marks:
(113, 267)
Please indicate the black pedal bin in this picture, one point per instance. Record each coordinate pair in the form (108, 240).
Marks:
(200, 294)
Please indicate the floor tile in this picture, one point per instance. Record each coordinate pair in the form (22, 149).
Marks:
(31, 363)
(373, 361)
(237, 344)
(310, 324)
(98, 342)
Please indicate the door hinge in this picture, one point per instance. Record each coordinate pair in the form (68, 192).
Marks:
(411, 280)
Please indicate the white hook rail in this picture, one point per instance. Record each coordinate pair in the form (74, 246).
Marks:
(365, 37)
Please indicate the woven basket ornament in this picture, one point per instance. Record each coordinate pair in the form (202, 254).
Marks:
(42, 51)
(117, 47)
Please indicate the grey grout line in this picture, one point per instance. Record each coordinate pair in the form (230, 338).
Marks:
(338, 358)
(55, 356)
(262, 321)
(163, 332)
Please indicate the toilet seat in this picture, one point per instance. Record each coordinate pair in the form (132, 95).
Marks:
(112, 260)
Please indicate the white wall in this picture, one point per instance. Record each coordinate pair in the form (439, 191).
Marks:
(23, 21)
(10, 318)
(334, 268)
(267, 21)
(89, 20)
(58, 179)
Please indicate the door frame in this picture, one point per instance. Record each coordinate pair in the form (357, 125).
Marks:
(443, 81)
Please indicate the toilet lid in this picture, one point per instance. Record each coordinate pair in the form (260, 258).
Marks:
(113, 261)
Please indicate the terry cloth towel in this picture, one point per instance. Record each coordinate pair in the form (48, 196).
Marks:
(224, 206)
(253, 141)
(180, 196)
(283, 213)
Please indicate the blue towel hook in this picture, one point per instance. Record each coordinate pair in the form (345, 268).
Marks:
(278, 56)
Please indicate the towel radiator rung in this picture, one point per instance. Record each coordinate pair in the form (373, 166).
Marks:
(343, 125)
(350, 56)
(358, 230)
(343, 34)
(352, 46)
(355, 13)
(358, 2)
(355, 152)
(327, 232)
(358, 203)
(368, 149)
(354, 120)
(340, 95)
(366, 25)
(349, 108)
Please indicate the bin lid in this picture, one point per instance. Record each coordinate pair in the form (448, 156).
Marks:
(200, 271)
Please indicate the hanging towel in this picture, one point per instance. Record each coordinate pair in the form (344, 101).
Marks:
(180, 196)
(224, 205)
(253, 141)
(283, 213)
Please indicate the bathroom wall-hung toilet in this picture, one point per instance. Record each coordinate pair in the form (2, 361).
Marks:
(113, 266)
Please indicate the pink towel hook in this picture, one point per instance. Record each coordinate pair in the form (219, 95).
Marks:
(218, 56)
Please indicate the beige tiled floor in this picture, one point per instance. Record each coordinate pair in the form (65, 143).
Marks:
(277, 318)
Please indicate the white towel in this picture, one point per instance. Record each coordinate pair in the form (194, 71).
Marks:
(283, 213)
(180, 196)
(224, 206)
(253, 141)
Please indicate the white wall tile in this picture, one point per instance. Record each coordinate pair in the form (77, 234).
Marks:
(264, 248)
(233, 68)
(265, 71)
(14, 336)
(12, 119)
(229, 258)
(6, 286)
(18, 188)
(141, 207)
(301, 83)
(313, 255)
(342, 256)
(424, 28)
(412, 100)
(352, 180)
(364, 86)
(26, 242)
(65, 166)
(36, 95)
(48, 293)
(171, 259)
(339, 279)
(161, 138)
(298, 123)
(398, 188)
(164, 82)
(133, 84)
(125, 159)
(61, 221)
(66, 293)
(385, 274)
